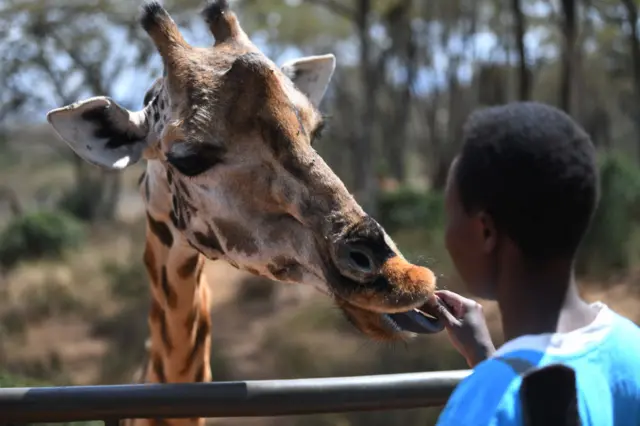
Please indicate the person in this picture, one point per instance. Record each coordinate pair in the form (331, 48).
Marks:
(520, 197)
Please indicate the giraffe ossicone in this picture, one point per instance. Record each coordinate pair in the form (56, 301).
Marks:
(232, 175)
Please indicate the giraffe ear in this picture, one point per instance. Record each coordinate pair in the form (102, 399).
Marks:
(102, 132)
(311, 75)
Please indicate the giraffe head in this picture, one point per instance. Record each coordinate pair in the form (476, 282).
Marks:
(231, 135)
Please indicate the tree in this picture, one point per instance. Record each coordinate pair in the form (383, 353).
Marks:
(570, 33)
(634, 46)
(524, 80)
(71, 49)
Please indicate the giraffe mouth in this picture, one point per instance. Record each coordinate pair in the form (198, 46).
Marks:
(422, 320)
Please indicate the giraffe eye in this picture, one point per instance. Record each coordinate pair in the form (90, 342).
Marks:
(194, 158)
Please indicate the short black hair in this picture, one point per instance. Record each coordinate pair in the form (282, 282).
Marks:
(534, 171)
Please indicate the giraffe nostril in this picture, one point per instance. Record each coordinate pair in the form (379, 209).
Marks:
(357, 262)
(361, 260)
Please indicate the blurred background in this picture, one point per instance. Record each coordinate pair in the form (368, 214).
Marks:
(73, 289)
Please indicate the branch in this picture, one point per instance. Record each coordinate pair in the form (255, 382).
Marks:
(336, 7)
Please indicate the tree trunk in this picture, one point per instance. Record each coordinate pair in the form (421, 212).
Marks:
(364, 166)
(399, 101)
(634, 46)
(524, 77)
(569, 30)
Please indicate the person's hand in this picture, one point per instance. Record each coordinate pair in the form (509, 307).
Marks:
(466, 326)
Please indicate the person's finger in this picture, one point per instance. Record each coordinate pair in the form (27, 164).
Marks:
(453, 301)
(450, 319)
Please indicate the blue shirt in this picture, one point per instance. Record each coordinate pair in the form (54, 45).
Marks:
(605, 356)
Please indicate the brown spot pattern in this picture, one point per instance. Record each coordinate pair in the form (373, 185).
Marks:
(200, 374)
(160, 230)
(169, 293)
(238, 238)
(188, 268)
(158, 368)
(150, 263)
(202, 333)
(208, 240)
(158, 316)
(285, 269)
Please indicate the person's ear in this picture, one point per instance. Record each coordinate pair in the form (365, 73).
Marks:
(489, 232)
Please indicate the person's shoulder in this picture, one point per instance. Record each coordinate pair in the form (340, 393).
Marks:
(487, 396)
(624, 324)
(624, 338)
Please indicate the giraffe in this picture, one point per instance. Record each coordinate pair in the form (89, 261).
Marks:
(232, 174)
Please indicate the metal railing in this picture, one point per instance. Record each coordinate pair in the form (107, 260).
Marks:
(227, 399)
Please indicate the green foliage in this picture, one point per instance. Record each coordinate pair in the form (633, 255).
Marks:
(41, 234)
(9, 380)
(608, 244)
(407, 208)
(82, 201)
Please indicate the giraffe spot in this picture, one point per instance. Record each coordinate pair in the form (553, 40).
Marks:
(148, 96)
(177, 221)
(174, 203)
(169, 293)
(285, 269)
(147, 190)
(185, 197)
(150, 263)
(208, 240)
(157, 315)
(158, 368)
(202, 333)
(201, 373)
(160, 230)
(252, 271)
(184, 191)
(237, 237)
(188, 268)
(178, 214)
(191, 318)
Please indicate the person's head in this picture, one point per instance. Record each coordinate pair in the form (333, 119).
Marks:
(526, 180)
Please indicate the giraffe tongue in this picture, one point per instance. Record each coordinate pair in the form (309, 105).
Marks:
(423, 320)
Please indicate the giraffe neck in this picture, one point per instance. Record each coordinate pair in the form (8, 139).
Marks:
(179, 321)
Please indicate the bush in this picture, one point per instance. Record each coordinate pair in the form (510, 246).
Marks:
(253, 288)
(607, 245)
(43, 234)
(407, 208)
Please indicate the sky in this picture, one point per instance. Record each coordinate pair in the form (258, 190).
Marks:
(484, 45)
